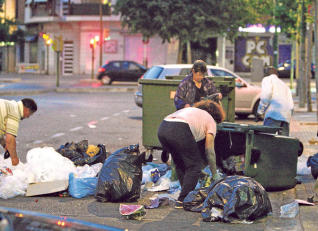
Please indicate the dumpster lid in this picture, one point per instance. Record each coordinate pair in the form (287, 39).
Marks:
(235, 127)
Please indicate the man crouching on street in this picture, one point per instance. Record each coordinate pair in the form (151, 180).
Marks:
(11, 112)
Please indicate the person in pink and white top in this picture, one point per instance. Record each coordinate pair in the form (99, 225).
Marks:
(188, 134)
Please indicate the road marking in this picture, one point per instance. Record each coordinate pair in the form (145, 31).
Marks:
(116, 114)
(76, 129)
(126, 111)
(104, 118)
(58, 135)
(71, 115)
(37, 141)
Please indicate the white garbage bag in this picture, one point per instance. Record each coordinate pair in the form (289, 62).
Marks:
(48, 165)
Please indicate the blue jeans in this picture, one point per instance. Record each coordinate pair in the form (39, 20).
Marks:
(277, 123)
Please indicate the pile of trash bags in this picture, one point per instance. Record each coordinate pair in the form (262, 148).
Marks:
(121, 176)
(234, 198)
(42, 165)
(82, 153)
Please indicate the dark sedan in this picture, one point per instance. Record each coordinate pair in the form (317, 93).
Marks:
(120, 71)
(285, 67)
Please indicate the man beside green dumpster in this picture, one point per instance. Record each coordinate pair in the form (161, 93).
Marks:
(11, 112)
(194, 86)
(276, 102)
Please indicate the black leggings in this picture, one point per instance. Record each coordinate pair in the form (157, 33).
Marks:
(187, 154)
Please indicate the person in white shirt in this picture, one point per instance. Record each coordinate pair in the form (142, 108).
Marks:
(276, 104)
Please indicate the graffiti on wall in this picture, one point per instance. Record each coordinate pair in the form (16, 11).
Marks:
(247, 48)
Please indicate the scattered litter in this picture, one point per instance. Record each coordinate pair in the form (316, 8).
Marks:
(302, 168)
(313, 141)
(289, 210)
(42, 188)
(132, 212)
(155, 175)
(232, 199)
(303, 202)
(162, 184)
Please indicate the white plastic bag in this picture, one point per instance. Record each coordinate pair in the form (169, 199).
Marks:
(289, 210)
(48, 165)
(15, 184)
(88, 171)
(302, 168)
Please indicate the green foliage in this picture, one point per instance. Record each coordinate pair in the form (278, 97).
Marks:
(187, 20)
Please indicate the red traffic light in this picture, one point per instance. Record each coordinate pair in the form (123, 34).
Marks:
(92, 43)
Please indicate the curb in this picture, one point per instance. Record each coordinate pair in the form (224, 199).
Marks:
(67, 90)
(7, 80)
(91, 90)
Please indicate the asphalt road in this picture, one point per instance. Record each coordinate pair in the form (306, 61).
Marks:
(101, 118)
(112, 119)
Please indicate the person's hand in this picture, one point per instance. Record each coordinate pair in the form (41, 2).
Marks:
(14, 160)
(220, 96)
(187, 105)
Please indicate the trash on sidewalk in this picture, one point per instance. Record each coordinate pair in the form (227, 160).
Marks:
(162, 184)
(42, 188)
(232, 199)
(121, 176)
(82, 153)
(82, 187)
(303, 202)
(313, 163)
(302, 168)
(289, 210)
(132, 212)
(45, 172)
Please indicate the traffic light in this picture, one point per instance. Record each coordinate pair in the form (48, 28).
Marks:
(92, 43)
(47, 39)
(106, 34)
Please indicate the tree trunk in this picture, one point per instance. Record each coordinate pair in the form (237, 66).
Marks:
(180, 51)
(302, 79)
(308, 67)
(189, 56)
(316, 52)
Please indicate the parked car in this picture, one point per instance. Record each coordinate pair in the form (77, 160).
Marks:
(283, 69)
(246, 95)
(120, 71)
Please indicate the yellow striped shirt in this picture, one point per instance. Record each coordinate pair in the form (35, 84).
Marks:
(11, 113)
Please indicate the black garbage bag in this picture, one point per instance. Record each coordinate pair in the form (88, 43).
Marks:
(121, 175)
(232, 198)
(76, 152)
(313, 163)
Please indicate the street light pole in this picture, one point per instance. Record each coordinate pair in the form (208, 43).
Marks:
(101, 39)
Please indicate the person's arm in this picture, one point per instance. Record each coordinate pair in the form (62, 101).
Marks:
(180, 97)
(266, 96)
(211, 157)
(11, 148)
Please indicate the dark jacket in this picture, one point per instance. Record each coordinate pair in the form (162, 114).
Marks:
(186, 91)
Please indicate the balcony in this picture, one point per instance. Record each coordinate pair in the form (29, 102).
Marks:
(85, 9)
(50, 11)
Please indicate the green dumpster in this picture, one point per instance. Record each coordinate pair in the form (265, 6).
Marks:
(269, 158)
(158, 96)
